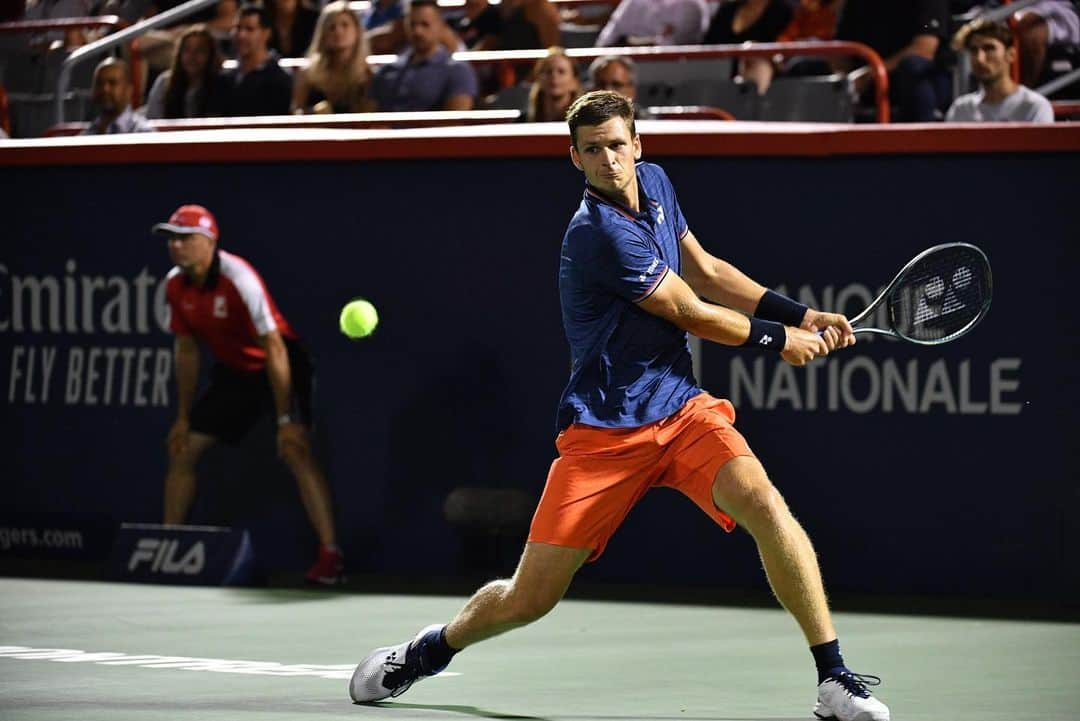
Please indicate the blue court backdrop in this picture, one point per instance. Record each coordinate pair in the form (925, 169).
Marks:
(949, 470)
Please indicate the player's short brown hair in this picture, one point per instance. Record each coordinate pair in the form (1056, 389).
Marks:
(598, 107)
(990, 29)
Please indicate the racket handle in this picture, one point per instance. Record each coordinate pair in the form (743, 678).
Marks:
(854, 331)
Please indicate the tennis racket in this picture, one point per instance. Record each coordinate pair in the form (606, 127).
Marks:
(940, 295)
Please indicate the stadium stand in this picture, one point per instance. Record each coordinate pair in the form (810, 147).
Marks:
(670, 77)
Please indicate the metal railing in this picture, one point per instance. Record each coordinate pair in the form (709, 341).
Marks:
(111, 41)
(1058, 83)
(349, 121)
(688, 112)
(29, 26)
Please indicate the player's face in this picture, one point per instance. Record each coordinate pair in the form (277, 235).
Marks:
(990, 59)
(191, 252)
(606, 153)
(615, 77)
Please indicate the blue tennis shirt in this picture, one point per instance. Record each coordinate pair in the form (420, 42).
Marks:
(629, 368)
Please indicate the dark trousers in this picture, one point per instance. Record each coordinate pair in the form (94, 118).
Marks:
(920, 90)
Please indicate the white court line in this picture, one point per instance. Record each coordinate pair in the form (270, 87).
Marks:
(183, 663)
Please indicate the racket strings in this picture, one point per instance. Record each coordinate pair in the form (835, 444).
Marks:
(941, 295)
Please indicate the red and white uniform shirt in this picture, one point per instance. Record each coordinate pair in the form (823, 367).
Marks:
(228, 313)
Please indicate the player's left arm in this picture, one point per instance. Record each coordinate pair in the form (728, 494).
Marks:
(717, 280)
(721, 282)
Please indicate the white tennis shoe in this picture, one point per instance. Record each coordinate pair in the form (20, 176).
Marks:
(391, 670)
(844, 697)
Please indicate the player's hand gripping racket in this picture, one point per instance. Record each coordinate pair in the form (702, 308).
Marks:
(937, 297)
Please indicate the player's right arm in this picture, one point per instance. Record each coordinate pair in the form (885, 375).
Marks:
(674, 301)
(186, 363)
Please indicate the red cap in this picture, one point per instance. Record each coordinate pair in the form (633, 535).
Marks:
(190, 219)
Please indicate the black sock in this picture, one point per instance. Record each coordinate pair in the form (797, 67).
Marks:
(437, 651)
(828, 659)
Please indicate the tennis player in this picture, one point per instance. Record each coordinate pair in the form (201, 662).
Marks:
(632, 417)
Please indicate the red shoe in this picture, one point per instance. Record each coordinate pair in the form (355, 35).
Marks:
(329, 568)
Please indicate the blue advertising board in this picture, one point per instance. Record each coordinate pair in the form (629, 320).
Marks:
(928, 470)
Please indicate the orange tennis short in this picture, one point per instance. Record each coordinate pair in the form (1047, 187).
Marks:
(602, 472)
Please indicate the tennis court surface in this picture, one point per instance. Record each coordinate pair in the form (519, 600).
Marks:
(89, 651)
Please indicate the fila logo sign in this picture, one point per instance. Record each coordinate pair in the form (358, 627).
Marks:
(184, 555)
(162, 554)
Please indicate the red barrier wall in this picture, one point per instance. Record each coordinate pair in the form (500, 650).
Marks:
(662, 138)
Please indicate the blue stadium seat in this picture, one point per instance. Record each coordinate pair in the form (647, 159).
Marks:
(812, 99)
(578, 36)
(739, 99)
(659, 81)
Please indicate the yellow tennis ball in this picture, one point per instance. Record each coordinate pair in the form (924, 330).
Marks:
(358, 319)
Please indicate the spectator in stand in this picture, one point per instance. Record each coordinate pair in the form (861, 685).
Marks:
(57, 10)
(384, 26)
(909, 36)
(999, 97)
(292, 27)
(618, 74)
(424, 76)
(220, 23)
(193, 86)
(479, 19)
(812, 20)
(157, 48)
(1046, 23)
(337, 77)
(613, 72)
(655, 22)
(524, 25)
(756, 21)
(112, 96)
(258, 85)
(556, 85)
(383, 12)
